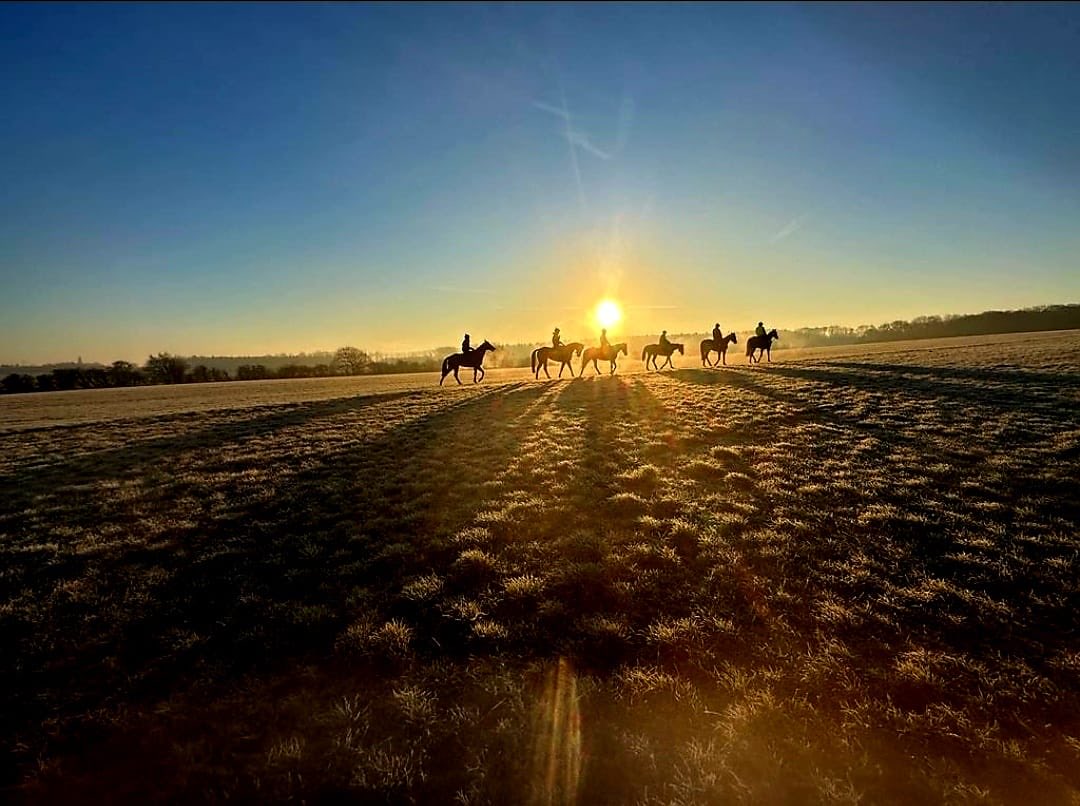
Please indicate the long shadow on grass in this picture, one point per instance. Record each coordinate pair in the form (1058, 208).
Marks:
(1002, 398)
(258, 588)
(615, 567)
(1047, 382)
(132, 459)
(914, 552)
(1048, 405)
(801, 408)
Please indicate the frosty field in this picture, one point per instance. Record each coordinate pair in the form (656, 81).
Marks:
(850, 575)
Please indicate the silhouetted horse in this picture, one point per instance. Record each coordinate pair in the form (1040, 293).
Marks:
(709, 345)
(763, 343)
(595, 354)
(473, 359)
(653, 350)
(563, 354)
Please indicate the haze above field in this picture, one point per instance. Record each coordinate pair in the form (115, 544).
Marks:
(248, 180)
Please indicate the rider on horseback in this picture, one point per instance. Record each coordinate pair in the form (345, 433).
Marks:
(664, 343)
(605, 345)
(759, 331)
(717, 334)
(556, 340)
(465, 346)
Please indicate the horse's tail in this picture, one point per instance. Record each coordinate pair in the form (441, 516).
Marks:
(643, 351)
(534, 352)
(750, 345)
(446, 365)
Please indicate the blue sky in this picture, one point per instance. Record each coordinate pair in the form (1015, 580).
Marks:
(237, 179)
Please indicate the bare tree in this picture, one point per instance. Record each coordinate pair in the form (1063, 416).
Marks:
(351, 361)
(166, 368)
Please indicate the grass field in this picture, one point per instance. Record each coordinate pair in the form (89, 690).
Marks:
(849, 576)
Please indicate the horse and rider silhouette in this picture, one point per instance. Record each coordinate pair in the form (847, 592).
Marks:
(605, 352)
(758, 345)
(718, 346)
(468, 357)
(663, 347)
(563, 353)
(761, 342)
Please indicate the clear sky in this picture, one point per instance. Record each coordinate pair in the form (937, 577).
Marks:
(242, 179)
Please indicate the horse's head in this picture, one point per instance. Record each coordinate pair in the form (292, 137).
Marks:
(487, 345)
(621, 348)
(577, 347)
(679, 347)
(774, 335)
(733, 337)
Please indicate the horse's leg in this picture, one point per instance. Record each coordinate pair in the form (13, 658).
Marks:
(546, 373)
(482, 374)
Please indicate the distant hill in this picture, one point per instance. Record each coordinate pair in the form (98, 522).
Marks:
(39, 369)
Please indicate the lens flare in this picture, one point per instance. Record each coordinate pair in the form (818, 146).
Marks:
(557, 753)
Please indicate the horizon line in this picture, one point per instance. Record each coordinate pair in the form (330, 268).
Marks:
(421, 351)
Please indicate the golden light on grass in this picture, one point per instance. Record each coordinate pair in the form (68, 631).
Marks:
(608, 313)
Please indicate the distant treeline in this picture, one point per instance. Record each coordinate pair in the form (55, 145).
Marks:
(164, 368)
(1044, 317)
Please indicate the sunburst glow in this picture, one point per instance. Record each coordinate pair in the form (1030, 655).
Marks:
(608, 313)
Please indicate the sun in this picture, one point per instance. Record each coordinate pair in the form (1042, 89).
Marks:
(607, 313)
